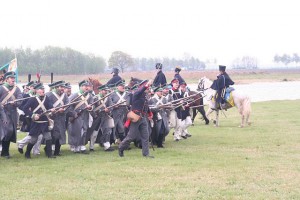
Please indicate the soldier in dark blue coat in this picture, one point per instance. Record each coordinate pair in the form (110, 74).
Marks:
(160, 79)
(223, 81)
(177, 75)
(40, 123)
(139, 128)
(115, 79)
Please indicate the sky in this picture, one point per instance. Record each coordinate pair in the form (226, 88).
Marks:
(219, 29)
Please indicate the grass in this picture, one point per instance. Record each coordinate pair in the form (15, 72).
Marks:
(257, 162)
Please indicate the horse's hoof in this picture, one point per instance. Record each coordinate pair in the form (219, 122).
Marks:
(193, 124)
(249, 123)
(241, 126)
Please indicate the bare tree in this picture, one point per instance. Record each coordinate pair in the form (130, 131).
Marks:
(120, 60)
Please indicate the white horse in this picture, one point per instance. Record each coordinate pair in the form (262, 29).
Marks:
(242, 102)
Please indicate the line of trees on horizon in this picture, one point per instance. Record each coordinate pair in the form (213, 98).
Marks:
(69, 61)
(53, 59)
(287, 59)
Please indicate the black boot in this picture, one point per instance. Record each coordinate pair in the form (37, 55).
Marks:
(48, 149)
(5, 149)
(160, 141)
(28, 150)
(122, 136)
(57, 148)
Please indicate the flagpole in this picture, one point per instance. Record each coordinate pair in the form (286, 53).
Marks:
(17, 71)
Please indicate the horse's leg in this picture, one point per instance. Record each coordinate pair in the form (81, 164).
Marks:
(202, 111)
(217, 118)
(194, 115)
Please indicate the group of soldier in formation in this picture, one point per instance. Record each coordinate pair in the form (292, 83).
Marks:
(143, 113)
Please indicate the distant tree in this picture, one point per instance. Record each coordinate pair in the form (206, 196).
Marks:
(245, 62)
(120, 60)
(296, 58)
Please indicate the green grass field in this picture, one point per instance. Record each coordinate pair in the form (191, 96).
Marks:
(257, 162)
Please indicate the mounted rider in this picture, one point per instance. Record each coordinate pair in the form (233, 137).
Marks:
(115, 79)
(223, 81)
(160, 78)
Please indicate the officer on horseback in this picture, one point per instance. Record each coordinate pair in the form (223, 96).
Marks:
(223, 81)
(177, 75)
(160, 79)
(115, 79)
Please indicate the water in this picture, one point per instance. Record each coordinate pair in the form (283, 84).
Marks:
(256, 91)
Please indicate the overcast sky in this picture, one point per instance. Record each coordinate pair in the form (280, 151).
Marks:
(222, 29)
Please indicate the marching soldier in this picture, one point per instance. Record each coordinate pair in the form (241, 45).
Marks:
(68, 89)
(58, 98)
(40, 123)
(160, 79)
(176, 114)
(25, 118)
(115, 79)
(186, 116)
(139, 126)
(160, 118)
(103, 122)
(9, 92)
(119, 112)
(79, 118)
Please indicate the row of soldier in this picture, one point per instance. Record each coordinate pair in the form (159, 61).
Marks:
(115, 115)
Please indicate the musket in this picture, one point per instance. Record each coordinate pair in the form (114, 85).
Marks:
(109, 107)
(59, 107)
(16, 100)
(184, 98)
(81, 111)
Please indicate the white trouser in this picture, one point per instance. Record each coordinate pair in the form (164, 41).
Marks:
(106, 145)
(178, 129)
(93, 139)
(172, 119)
(37, 145)
(22, 143)
(80, 148)
(185, 124)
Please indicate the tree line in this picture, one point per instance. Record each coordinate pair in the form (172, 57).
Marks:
(123, 61)
(287, 59)
(68, 61)
(53, 59)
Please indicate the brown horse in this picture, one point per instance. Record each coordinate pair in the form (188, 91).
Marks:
(197, 105)
(95, 84)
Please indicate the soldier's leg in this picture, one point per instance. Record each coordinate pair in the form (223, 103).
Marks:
(37, 145)
(93, 139)
(82, 147)
(132, 134)
(48, 148)
(21, 143)
(144, 133)
(120, 129)
(177, 129)
(106, 138)
(186, 123)
(33, 140)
